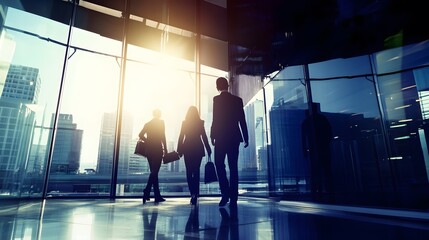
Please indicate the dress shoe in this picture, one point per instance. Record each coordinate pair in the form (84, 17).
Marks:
(159, 199)
(194, 200)
(223, 202)
(146, 197)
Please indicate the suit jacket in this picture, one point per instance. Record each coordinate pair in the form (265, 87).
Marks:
(229, 123)
(153, 133)
(192, 139)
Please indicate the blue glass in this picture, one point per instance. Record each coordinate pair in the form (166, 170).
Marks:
(286, 103)
(340, 67)
(398, 59)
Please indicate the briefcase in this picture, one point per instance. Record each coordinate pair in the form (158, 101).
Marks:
(170, 157)
(140, 148)
(209, 172)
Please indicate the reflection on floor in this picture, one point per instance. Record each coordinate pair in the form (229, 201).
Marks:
(254, 218)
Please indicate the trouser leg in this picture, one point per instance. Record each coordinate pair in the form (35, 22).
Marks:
(233, 171)
(220, 154)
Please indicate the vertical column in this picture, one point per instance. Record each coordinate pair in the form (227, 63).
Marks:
(57, 109)
(197, 55)
(116, 149)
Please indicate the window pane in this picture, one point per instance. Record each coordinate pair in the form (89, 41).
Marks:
(154, 80)
(357, 151)
(29, 89)
(286, 102)
(398, 59)
(253, 160)
(404, 101)
(83, 154)
(340, 67)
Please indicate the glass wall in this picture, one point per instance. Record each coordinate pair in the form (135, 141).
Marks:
(32, 56)
(363, 139)
(61, 95)
(253, 160)
(286, 103)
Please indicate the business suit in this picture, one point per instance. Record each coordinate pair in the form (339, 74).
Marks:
(156, 145)
(191, 143)
(228, 130)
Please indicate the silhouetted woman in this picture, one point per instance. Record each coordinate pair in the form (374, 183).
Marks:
(153, 133)
(192, 139)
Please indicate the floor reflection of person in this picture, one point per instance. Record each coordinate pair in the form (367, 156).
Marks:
(228, 228)
(149, 223)
(192, 228)
(316, 143)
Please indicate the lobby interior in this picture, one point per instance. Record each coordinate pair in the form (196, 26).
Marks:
(335, 94)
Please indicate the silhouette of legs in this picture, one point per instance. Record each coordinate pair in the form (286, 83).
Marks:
(154, 165)
(229, 189)
(220, 154)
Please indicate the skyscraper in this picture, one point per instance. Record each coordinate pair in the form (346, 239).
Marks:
(21, 88)
(107, 141)
(67, 146)
(22, 84)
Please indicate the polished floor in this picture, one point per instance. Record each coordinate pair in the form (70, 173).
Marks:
(254, 218)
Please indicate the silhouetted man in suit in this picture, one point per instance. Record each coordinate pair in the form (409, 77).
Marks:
(228, 130)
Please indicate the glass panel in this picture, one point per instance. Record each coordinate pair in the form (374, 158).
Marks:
(253, 160)
(354, 160)
(406, 57)
(286, 102)
(29, 86)
(340, 67)
(154, 80)
(292, 73)
(404, 97)
(83, 155)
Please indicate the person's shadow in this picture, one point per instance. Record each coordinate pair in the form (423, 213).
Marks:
(228, 224)
(149, 223)
(192, 227)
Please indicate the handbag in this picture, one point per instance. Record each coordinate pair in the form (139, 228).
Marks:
(170, 157)
(140, 148)
(210, 172)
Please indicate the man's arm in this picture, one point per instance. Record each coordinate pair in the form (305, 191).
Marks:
(213, 128)
(243, 125)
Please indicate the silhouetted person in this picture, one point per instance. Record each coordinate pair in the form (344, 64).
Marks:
(228, 130)
(317, 137)
(191, 143)
(153, 133)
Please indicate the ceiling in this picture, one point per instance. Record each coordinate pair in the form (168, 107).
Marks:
(272, 34)
(255, 37)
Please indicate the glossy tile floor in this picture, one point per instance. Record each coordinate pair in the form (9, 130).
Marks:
(254, 218)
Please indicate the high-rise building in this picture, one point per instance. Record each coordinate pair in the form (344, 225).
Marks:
(107, 141)
(21, 88)
(67, 146)
(22, 84)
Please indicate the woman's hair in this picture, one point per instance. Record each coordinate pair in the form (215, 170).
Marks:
(192, 114)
